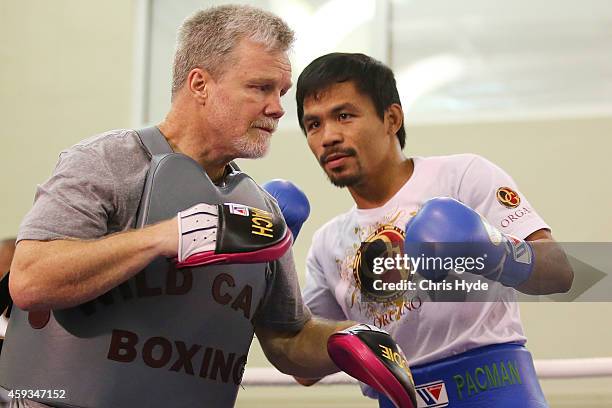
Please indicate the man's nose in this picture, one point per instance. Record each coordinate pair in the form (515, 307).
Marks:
(332, 135)
(274, 108)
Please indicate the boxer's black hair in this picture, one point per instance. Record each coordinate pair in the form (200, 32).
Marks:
(371, 77)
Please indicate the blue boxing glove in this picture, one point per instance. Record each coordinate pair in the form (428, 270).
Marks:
(446, 228)
(292, 201)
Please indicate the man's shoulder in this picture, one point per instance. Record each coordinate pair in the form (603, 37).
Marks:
(120, 139)
(116, 148)
(116, 153)
(451, 168)
(461, 160)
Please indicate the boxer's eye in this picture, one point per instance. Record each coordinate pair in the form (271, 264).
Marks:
(312, 125)
(344, 116)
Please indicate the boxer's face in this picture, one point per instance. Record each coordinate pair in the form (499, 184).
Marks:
(245, 100)
(345, 134)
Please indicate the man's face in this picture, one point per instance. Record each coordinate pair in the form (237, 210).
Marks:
(345, 134)
(245, 101)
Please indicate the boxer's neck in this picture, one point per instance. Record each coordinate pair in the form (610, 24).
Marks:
(374, 191)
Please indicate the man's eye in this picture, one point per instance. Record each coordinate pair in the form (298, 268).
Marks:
(344, 116)
(312, 125)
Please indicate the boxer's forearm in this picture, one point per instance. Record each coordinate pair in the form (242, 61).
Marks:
(552, 272)
(302, 354)
(65, 273)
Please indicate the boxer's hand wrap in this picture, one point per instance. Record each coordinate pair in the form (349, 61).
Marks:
(230, 233)
(370, 355)
(445, 227)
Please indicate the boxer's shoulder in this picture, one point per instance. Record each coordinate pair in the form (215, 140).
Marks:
(451, 172)
(449, 164)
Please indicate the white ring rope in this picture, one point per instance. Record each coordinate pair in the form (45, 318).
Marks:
(546, 369)
(574, 368)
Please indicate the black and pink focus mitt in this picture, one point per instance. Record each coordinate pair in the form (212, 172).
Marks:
(230, 233)
(370, 355)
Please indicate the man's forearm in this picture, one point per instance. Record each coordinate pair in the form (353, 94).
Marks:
(65, 273)
(305, 353)
(552, 272)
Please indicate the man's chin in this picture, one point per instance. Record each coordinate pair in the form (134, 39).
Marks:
(254, 154)
(254, 149)
(341, 181)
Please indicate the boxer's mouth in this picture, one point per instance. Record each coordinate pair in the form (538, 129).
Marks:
(336, 156)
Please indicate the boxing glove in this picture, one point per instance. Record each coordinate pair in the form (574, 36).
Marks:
(292, 201)
(446, 228)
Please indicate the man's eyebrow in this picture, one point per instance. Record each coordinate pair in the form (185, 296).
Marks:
(335, 110)
(267, 80)
(261, 79)
(339, 108)
(344, 106)
(307, 118)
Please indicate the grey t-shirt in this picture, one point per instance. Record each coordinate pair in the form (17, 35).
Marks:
(95, 191)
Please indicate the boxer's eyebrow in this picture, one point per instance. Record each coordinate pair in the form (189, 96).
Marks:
(307, 118)
(333, 111)
(343, 107)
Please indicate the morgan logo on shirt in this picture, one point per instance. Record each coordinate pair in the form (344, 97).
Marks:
(515, 216)
(432, 395)
(508, 197)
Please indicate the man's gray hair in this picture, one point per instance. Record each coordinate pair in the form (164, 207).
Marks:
(207, 38)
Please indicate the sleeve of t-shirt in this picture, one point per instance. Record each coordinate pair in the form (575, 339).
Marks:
(75, 202)
(318, 294)
(490, 191)
(282, 307)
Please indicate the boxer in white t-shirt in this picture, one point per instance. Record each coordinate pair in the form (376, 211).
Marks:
(461, 353)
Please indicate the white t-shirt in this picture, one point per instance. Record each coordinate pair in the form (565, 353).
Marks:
(426, 331)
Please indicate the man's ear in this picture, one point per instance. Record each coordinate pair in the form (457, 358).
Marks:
(394, 118)
(198, 84)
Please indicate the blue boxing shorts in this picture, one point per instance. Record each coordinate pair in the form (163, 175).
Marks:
(496, 376)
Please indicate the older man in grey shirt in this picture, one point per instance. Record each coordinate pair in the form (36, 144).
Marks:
(78, 241)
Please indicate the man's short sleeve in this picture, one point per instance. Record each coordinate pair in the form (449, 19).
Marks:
(318, 295)
(490, 191)
(283, 308)
(76, 202)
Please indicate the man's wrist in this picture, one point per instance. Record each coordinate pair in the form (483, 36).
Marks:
(162, 238)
